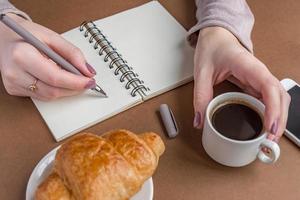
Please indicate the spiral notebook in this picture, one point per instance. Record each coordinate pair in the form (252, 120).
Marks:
(138, 54)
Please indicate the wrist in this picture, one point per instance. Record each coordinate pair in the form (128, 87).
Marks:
(210, 30)
(221, 36)
(217, 32)
(218, 38)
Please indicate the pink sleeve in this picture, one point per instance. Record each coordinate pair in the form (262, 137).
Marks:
(233, 15)
(7, 7)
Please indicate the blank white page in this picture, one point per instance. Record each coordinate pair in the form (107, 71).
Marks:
(154, 44)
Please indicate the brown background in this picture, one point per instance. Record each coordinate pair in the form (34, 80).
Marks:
(185, 171)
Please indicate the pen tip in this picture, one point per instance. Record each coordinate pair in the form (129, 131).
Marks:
(103, 95)
(99, 90)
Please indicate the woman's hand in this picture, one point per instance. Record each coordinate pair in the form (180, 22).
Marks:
(21, 64)
(219, 56)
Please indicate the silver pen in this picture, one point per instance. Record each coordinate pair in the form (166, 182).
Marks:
(31, 39)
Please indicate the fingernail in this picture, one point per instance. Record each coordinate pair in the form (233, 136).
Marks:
(197, 119)
(90, 84)
(274, 127)
(90, 68)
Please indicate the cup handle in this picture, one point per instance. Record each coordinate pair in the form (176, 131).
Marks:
(275, 152)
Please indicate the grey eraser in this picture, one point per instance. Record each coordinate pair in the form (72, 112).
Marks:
(168, 120)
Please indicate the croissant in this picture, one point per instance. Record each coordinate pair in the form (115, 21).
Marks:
(113, 166)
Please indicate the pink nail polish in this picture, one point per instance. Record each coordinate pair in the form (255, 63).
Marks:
(90, 84)
(197, 119)
(90, 68)
(274, 127)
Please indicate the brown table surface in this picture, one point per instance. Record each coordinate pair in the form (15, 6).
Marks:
(185, 171)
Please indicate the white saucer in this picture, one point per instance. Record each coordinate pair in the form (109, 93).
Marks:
(43, 168)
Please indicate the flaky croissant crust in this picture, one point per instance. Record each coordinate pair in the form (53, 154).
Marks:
(113, 166)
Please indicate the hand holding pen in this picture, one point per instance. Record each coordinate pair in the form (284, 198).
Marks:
(26, 69)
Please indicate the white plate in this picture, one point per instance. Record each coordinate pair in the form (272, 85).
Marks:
(43, 168)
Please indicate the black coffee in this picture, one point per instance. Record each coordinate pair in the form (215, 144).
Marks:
(237, 121)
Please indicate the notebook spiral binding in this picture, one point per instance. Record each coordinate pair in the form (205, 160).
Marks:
(117, 63)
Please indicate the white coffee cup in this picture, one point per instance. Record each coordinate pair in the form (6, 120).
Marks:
(236, 153)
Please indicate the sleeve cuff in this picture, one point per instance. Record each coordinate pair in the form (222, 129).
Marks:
(233, 15)
(192, 36)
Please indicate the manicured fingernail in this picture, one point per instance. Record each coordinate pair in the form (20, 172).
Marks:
(274, 127)
(90, 68)
(90, 84)
(197, 119)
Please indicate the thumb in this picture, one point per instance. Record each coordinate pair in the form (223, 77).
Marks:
(70, 53)
(203, 93)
